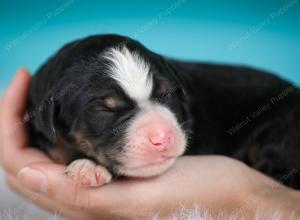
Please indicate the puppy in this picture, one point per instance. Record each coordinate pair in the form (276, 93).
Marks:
(106, 106)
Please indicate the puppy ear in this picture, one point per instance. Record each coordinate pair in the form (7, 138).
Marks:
(181, 83)
(46, 119)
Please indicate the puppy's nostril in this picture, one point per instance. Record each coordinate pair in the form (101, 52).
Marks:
(161, 140)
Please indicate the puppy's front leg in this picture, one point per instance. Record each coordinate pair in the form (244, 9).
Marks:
(86, 173)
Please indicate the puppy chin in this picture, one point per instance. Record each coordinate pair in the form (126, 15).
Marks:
(148, 170)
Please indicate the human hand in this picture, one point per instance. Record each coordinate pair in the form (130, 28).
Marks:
(212, 182)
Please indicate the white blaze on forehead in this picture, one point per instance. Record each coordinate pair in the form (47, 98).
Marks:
(131, 72)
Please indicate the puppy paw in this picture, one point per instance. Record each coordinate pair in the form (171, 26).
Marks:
(86, 173)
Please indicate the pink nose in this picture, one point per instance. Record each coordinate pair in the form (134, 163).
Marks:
(161, 140)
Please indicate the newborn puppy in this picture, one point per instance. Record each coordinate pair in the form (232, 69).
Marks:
(107, 107)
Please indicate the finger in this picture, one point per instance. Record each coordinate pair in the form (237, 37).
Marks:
(51, 180)
(14, 155)
(13, 109)
(41, 200)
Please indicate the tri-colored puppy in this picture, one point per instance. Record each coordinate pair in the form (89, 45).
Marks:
(106, 106)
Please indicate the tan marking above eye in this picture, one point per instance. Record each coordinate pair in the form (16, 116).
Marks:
(111, 102)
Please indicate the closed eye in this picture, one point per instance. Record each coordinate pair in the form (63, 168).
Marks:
(101, 108)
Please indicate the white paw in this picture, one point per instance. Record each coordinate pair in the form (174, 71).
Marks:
(86, 173)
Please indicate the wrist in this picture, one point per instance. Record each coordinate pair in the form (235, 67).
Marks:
(268, 200)
(255, 194)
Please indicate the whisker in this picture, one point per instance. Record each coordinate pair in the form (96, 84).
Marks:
(185, 122)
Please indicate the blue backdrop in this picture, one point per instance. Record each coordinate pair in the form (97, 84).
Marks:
(260, 33)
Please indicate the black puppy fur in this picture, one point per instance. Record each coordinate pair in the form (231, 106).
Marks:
(236, 111)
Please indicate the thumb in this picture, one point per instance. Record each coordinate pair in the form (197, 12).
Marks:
(50, 180)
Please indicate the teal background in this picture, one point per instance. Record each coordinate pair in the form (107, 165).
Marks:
(263, 34)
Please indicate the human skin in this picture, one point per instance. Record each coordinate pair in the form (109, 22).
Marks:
(216, 183)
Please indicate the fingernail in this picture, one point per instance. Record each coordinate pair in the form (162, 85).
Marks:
(33, 179)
